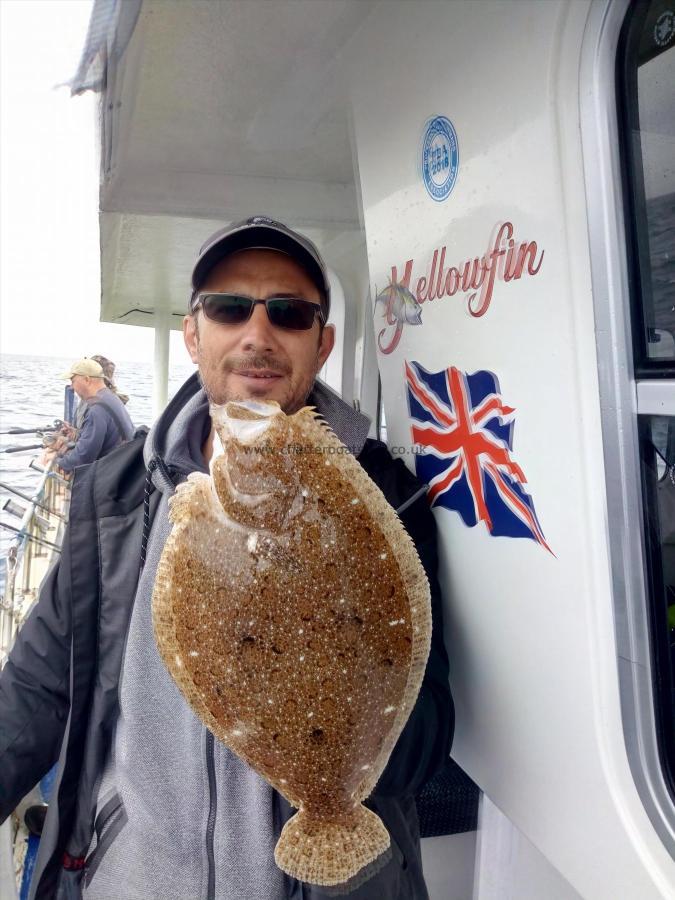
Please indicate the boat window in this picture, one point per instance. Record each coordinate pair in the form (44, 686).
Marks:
(646, 79)
(657, 444)
(649, 133)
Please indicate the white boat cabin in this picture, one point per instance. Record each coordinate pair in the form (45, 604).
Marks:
(492, 184)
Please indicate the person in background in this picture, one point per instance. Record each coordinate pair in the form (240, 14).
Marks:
(108, 367)
(105, 423)
(66, 437)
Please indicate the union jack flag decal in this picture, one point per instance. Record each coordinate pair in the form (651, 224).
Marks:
(466, 431)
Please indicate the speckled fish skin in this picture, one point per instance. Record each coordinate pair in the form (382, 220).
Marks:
(292, 610)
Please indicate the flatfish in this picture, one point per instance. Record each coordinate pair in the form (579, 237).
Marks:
(293, 612)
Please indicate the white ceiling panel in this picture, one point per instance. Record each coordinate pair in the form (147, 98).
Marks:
(219, 109)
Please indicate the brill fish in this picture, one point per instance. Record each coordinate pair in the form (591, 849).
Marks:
(293, 612)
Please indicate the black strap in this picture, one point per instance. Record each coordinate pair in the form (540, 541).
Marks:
(173, 477)
(113, 415)
(670, 466)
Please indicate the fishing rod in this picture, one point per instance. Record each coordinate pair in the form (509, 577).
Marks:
(18, 449)
(31, 537)
(41, 429)
(52, 474)
(29, 499)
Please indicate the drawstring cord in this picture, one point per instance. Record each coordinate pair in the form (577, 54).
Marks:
(155, 463)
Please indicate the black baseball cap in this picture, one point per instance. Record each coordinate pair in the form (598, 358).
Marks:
(261, 233)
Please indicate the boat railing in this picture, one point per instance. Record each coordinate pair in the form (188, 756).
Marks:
(36, 539)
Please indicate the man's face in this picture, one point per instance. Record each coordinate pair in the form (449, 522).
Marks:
(256, 360)
(80, 386)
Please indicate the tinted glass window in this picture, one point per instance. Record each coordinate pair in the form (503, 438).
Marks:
(648, 76)
(646, 70)
(657, 438)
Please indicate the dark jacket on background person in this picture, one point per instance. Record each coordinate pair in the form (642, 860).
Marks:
(105, 424)
(59, 692)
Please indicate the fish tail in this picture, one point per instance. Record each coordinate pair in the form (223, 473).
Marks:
(328, 853)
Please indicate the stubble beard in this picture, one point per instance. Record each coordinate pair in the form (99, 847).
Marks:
(212, 378)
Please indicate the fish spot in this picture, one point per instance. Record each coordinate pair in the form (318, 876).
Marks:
(317, 736)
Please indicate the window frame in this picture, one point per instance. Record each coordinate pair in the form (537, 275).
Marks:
(637, 244)
(626, 390)
(646, 369)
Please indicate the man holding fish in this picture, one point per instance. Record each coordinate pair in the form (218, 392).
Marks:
(148, 803)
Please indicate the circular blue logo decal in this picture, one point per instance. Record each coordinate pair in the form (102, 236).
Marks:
(440, 157)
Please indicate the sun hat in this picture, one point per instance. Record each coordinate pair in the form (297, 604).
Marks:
(261, 233)
(84, 367)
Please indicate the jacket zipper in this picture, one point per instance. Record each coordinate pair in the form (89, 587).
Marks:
(211, 821)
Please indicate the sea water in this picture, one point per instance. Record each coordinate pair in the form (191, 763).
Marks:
(31, 396)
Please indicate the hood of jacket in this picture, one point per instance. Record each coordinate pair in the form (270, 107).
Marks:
(173, 447)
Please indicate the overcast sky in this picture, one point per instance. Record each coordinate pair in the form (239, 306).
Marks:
(49, 251)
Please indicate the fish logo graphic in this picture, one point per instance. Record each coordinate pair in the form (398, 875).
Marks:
(467, 431)
(399, 305)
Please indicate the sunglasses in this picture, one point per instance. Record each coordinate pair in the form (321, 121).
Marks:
(291, 313)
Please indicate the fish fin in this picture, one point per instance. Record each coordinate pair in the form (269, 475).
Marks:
(383, 295)
(308, 411)
(313, 418)
(188, 496)
(306, 847)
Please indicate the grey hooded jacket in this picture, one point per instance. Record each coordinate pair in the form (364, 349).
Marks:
(59, 691)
